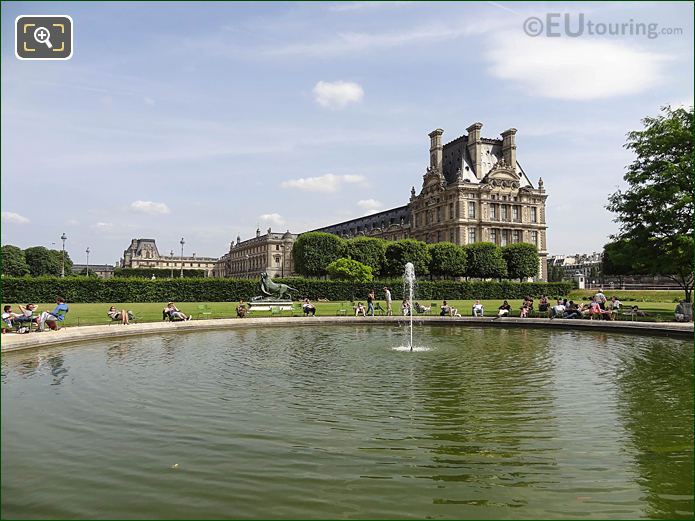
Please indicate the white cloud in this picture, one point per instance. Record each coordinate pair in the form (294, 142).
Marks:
(149, 207)
(324, 183)
(370, 206)
(337, 94)
(573, 68)
(14, 218)
(272, 218)
(102, 226)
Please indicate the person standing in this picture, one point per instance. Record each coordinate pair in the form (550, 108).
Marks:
(370, 303)
(387, 297)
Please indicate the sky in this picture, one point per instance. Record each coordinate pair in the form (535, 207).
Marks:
(208, 120)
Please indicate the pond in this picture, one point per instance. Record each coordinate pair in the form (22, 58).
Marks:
(334, 422)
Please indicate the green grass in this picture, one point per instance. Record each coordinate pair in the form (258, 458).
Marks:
(95, 314)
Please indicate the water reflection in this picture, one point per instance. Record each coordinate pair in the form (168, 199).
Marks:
(656, 390)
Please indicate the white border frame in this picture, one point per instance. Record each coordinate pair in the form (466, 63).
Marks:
(72, 37)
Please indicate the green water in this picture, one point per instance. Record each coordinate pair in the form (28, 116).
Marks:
(334, 423)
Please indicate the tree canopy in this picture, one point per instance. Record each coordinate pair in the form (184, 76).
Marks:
(42, 261)
(485, 261)
(522, 260)
(314, 251)
(14, 261)
(350, 270)
(655, 211)
(367, 250)
(448, 260)
(399, 253)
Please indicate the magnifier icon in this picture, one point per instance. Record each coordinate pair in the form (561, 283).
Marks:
(43, 35)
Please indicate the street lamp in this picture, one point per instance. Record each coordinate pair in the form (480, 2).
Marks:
(171, 254)
(87, 252)
(62, 261)
(282, 268)
(247, 265)
(182, 243)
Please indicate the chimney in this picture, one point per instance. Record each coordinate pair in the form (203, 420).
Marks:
(436, 149)
(475, 148)
(509, 147)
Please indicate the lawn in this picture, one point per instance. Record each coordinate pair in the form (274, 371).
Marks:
(95, 314)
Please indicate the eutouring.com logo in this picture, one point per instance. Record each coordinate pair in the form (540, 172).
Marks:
(575, 25)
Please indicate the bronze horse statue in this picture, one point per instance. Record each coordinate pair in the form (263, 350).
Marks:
(275, 289)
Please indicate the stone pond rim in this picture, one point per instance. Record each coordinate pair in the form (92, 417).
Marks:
(71, 335)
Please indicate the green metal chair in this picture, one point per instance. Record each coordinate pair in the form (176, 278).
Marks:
(204, 309)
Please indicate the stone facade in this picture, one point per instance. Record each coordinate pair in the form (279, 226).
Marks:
(143, 253)
(474, 190)
(270, 253)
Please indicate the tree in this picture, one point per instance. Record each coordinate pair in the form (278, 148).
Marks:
(399, 253)
(448, 260)
(522, 260)
(367, 250)
(42, 261)
(350, 270)
(314, 251)
(655, 212)
(13, 261)
(485, 261)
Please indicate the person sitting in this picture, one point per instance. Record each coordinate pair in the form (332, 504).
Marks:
(242, 309)
(558, 310)
(360, 310)
(420, 308)
(309, 308)
(120, 315)
(405, 308)
(543, 305)
(478, 310)
(445, 309)
(7, 317)
(616, 304)
(53, 317)
(504, 310)
(526, 307)
(680, 311)
(173, 313)
(635, 311)
(572, 310)
(595, 310)
(27, 314)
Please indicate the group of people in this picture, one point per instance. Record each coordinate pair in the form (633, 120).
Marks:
(25, 319)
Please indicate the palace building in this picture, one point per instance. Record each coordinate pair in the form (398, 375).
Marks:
(474, 190)
(270, 253)
(143, 253)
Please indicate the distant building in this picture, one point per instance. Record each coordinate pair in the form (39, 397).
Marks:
(474, 190)
(270, 253)
(105, 271)
(587, 264)
(143, 253)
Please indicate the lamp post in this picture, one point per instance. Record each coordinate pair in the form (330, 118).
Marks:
(62, 261)
(182, 243)
(171, 254)
(247, 265)
(87, 252)
(282, 268)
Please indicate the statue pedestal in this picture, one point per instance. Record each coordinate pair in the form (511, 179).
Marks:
(267, 305)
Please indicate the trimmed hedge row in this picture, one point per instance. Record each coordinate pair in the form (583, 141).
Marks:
(88, 289)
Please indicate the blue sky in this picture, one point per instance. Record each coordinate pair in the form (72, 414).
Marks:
(206, 120)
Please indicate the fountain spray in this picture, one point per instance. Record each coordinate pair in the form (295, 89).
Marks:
(408, 285)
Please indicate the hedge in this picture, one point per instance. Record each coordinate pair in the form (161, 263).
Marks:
(89, 289)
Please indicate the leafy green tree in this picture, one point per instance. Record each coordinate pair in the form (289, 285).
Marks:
(350, 270)
(522, 260)
(448, 260)
(485, 261)
(13, 261)
(618, 260)
(655, 212)
(367, 250)
(399, 253)
(314, 251)
(42, 261)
